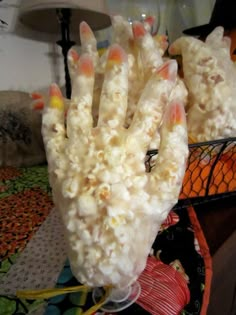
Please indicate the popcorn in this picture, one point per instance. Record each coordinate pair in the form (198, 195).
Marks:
(209, 74)
(87, 205)
(104, 195)
(122, 104)
(70, 187)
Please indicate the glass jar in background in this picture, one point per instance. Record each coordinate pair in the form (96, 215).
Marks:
(136, 10)
(179, 15)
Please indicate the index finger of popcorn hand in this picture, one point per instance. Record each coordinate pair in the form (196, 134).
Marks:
(113, 101)
(79, 115)
(72, 59)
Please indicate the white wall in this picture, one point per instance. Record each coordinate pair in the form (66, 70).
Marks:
(26, 65)
(27, 61)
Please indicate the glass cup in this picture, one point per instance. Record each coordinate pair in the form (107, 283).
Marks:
(118, 299)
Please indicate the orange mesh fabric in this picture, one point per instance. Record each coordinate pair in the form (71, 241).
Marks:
(219, 176)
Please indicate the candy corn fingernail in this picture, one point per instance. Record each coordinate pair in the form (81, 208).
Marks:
(168, 71)
(138, 29)
(39, 105)
(73, 56)
(86, 65)
(175, 113)
(56, 98)
(162, 39)
(36, 96)
(172, 50)
(116, 55)
(150, 20)
(85, 30)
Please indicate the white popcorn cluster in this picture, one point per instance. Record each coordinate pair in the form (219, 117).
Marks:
(209, 74)
(110, 212)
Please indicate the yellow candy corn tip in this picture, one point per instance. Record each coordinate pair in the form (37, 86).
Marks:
(116, 56)
(56, 102)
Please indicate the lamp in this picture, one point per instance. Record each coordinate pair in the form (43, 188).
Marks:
(57, 16)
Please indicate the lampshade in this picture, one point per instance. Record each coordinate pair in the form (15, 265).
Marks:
(41, 16)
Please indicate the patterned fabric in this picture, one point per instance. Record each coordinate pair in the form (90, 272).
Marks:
(38, 266)
(164, 289)
(25, 202)
(21, 215)
(180, 254)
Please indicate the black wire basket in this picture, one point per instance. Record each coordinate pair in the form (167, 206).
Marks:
(210, 172)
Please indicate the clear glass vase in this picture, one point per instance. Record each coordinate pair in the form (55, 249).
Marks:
(136, 10)
(119, 299)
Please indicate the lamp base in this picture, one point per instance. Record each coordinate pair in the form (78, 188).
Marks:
(119, 299)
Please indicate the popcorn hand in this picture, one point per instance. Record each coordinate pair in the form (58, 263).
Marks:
(111, 208)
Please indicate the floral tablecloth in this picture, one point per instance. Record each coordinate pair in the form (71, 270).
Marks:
(176, 279)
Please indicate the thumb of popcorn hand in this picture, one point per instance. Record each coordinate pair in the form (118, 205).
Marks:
(110, 206)
(40, 99)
